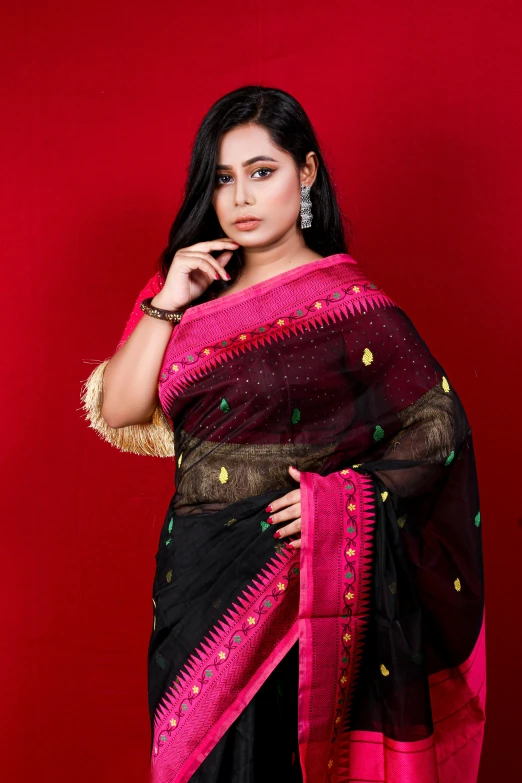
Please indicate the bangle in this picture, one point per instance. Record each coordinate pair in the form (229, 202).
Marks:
(157, 312)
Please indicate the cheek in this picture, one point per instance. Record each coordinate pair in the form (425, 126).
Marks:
(285, 197)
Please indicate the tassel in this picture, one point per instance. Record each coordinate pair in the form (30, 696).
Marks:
(151, 439)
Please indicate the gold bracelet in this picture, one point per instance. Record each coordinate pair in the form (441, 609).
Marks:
(157, 312)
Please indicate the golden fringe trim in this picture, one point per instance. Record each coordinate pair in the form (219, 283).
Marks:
(150, 439)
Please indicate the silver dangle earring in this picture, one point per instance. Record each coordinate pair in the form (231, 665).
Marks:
(306, 207)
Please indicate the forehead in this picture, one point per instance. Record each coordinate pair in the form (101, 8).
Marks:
(245, 142)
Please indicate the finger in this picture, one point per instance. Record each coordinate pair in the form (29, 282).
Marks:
(219, 273)
(296, 474)
(291, 497)
(215, 244)
(203, 266)
(292, 512)
(289, 530)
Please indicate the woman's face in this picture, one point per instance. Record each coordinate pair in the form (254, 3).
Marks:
(268, 189)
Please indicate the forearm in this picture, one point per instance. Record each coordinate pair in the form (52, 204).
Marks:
(130, 380)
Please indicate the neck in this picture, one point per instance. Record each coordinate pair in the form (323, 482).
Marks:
(265, 261)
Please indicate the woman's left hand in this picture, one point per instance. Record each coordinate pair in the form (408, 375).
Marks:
(288, 507)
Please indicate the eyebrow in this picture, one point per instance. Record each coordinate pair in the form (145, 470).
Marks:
(248, 162)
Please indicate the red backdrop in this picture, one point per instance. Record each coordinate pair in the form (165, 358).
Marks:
(418, 110)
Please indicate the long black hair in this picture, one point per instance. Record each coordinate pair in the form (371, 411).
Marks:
(289, 128)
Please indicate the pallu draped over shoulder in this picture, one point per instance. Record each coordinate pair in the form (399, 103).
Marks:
(380, 614)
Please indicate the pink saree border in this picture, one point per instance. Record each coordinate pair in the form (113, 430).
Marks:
(237, 656)
(333, 612)
(325, 291)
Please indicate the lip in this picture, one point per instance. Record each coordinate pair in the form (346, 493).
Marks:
(246, 219)
(247, 225)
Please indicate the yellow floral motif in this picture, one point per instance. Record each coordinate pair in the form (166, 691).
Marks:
(384, 495)
(173, 722)
(349, 595)
(445, 384)
(352, 506)
(223, 475)
(347, 637)
(343, 679)
(356, 289)
(175, 367)
(350, 552)
(179, 459)
(367, 357)
(357, 466)
(344, 472)
(195, 689)
(251, 620)
(337, 720)
(318, 305)
(384, 670)
(330, 764)
(222, 655)
(281, 586)
(281, 322)
(206, 351)
(242, 336)
(457, 585)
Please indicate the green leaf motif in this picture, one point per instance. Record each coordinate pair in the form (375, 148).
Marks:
(348, 575)
(163, 738)
(163, 375)
(372, 285)
(299, 312)
(477, 519)
(264, 525)
(450, 458)
(224, 343)
(190, 358)
(350, 529)
(237, 639)
(224, 406)
(208, 673)
(348, 486)
(268, 604)
(296, 416)
(171, 524)
(262, 329)
(167, 542)
(184, 707)
(379, 433)
(336, 295)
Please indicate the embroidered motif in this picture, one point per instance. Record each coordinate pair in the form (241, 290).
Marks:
(251, 620)
(230, 522)
(357, 466)
(378, 433)
(477, 519)
(296, 416)
(209, 673)
(224, 406)
(384, 495)
(367, 357)
(384, 670)
(352, 507)
(445, 384)
(450, 458)
(171, 523)
(223, 475)
(402, 521)
(350, 552)
(281, 322)
(264, 525)
(349, 595)
(168, 576)
(356, 289)
(393, 588)
(281, 586)
(167, 542)
(242, 337)
(179, 459)
(457, 585)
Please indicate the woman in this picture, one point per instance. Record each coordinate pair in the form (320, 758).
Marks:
(318, 596)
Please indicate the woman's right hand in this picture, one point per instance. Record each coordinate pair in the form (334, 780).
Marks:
(191, 272)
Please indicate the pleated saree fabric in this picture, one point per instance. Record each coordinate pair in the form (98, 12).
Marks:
(359, 657)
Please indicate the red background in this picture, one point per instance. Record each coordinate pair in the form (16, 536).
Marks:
(418, 110)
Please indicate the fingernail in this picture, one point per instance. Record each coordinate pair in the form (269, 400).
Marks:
(277, 534)
(218, 277)
(269, 520)
(227, 276)
(269, 508)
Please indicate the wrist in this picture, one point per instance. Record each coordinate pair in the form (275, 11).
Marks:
(166, 303)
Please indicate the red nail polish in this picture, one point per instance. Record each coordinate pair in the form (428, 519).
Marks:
(269, 508)
(218, 277)
(277, 534)
(270, 520)
(228, 276)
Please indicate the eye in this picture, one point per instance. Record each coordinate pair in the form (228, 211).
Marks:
(219, 177)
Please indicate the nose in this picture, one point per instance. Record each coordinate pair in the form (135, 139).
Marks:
(241, 192)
